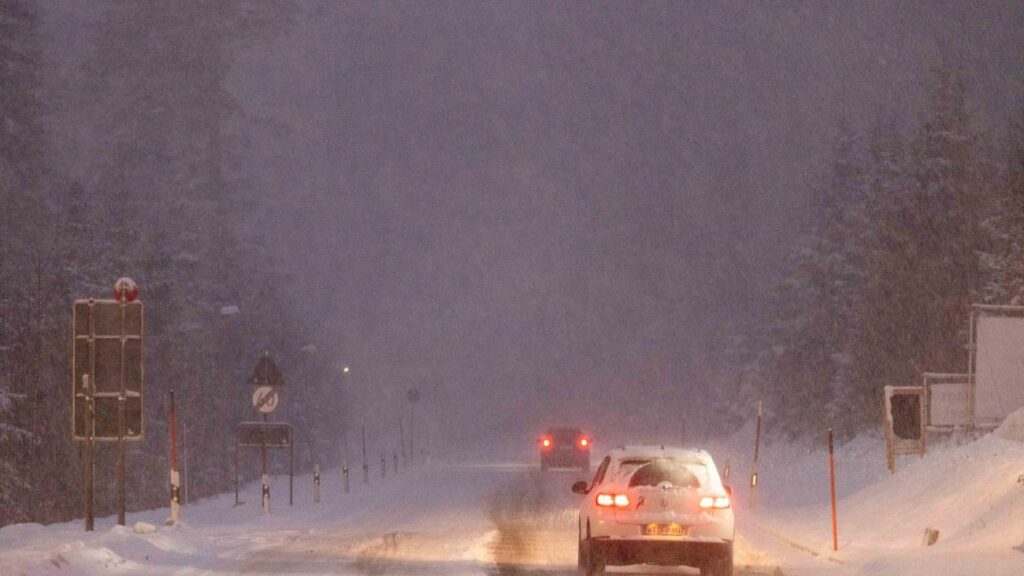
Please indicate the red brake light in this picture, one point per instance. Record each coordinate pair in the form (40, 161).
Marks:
(584, 442)
(716, 502)
(610, 500)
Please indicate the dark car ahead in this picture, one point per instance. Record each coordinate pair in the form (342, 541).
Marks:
(565, 448)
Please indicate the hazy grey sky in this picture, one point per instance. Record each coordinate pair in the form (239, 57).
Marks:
(532, 210)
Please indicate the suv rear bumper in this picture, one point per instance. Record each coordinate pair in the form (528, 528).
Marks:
(565, 458)
(620, 552)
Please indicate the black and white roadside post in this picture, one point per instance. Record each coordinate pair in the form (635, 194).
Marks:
(383, 466)
(344, 475)
(316, 483)
(757, 456)
(394, 459)
(413, 395)
(401, 434)
(172, 424)
(366, 465)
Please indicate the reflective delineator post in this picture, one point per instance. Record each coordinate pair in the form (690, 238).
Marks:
(172, 423)
(832, 477)
(383, 466)
(394, 459)
(757, 456)
(316, 483)
(366, 465)
(266, 492)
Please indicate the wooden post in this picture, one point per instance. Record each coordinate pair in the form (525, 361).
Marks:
(832, 477)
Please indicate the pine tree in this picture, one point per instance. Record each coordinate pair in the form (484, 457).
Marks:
(1003, 265)
(814, 308)
(25, 293)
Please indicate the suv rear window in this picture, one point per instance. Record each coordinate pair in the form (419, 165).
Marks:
(565, 435)
(675, 473)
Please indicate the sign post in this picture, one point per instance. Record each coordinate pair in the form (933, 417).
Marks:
(266, 377)
(90, 465)
(265, 436)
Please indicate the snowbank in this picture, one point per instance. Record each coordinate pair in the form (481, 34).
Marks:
(1013, 427)
(970, 493)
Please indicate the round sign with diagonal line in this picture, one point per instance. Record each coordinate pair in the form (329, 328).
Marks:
(265, 399)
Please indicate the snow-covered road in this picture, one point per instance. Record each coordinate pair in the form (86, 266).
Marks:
(497, 519)
(511, 519)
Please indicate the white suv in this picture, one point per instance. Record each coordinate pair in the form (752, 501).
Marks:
(656, 505)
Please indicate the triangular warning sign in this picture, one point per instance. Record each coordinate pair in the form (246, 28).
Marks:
(266, 373)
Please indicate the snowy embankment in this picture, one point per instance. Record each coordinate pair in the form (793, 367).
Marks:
(217, 537)
(972, 493)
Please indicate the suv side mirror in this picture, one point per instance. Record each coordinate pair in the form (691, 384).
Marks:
(728, 490)
(580, 487)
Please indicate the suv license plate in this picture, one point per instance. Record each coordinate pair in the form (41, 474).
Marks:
(666, 530)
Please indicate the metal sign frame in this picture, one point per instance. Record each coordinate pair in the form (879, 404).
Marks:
(978, 311)
(897, 445)
(932, 379)
(85, 339)
(265, 429)
(262, 429)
